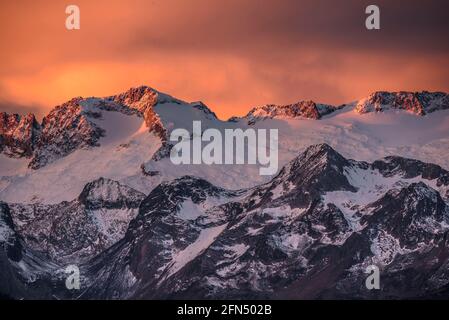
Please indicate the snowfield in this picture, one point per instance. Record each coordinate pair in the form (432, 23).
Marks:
(127, 145)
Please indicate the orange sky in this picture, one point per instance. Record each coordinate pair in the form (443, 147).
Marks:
(232, 54)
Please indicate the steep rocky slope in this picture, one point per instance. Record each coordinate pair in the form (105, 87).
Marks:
(101, 193)
(309, 233)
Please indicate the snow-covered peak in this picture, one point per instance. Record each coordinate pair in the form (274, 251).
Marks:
(202, 107)
(186, 187)
(317, 170)
(316, 160)
(419, 103)
(302, 109)
(6, 223)
(81, 122)
(66, 128)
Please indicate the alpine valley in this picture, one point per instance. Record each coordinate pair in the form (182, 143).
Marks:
(360, 184)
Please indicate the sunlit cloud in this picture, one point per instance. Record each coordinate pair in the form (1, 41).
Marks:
(232, 55)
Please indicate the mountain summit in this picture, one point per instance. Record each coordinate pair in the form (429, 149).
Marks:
(190, 239)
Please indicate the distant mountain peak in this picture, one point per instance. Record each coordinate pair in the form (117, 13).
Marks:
(72, 125)
(107, 193)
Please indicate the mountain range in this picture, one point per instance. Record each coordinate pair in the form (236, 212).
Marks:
(92, 185)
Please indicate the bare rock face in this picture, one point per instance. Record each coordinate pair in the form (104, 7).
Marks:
(79, 229)
(420, 103)
(65, 129)
(277, 239)
(321, 217)
(302, 109)
(144, 99)
(70, 126)
(139, 98)
(9, 239)
(154, 124)
(18, 134)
